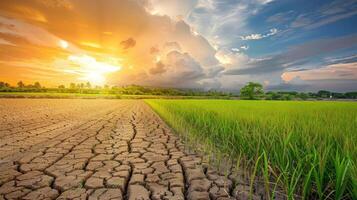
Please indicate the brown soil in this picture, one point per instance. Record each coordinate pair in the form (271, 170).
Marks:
(100, 149)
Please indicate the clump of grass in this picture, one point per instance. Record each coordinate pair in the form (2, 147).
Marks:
(306, 148)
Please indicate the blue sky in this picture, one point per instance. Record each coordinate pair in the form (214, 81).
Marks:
(272, 29)
(303, 45)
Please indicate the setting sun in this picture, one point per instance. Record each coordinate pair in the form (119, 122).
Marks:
(91, 70)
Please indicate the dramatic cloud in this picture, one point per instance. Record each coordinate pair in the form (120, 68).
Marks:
(182, 65)
(179, 43)
(150, 48)
(176, 69)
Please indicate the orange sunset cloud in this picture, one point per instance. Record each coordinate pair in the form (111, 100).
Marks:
(103, 42)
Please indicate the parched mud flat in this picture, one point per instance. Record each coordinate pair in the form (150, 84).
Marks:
(101, 149)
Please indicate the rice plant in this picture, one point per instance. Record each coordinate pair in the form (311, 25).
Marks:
(307, 148)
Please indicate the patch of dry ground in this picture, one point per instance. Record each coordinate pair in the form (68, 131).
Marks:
(99, 149)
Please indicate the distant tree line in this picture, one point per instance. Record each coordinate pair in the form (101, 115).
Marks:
(250, 91)
(87, 88)
(255, 91)
(21, 86)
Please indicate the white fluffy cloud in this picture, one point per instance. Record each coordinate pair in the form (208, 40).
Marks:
(245, 47)
(258, 36)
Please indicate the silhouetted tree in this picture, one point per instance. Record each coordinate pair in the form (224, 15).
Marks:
(20, 84)
(4, 85)
(37, 85)
(61, 87)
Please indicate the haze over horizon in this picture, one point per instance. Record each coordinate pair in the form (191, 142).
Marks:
(211, 44)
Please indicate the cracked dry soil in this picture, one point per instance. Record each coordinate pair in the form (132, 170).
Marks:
(100, 149)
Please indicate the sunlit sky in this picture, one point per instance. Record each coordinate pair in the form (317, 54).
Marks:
(299, 45)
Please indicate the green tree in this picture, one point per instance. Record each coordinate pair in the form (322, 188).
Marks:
(72, 85)
(20, 84)
(351, 95)
(4, 85)
(303, 96)
(88, 85)
(37, 85)
(251, 91)
(324, 94)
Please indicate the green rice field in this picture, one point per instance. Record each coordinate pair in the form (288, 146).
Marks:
(308, 149)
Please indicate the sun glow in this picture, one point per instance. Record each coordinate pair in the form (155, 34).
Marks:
(63, 44)
(92, 70)
(94, 78)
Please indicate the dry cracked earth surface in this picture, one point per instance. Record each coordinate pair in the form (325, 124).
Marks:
(100, 149)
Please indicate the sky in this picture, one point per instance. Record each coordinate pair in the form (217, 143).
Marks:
(300, 45)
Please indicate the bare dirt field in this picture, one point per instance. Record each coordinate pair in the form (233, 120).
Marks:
(99, 149)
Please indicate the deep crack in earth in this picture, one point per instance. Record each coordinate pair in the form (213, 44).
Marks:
(100, 149)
